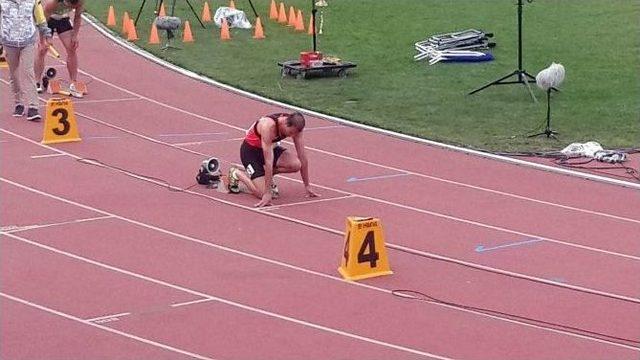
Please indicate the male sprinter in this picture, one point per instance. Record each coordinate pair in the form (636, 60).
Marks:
(58, 14)
(262, 156)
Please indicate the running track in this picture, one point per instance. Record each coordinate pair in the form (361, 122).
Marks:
(101, 263)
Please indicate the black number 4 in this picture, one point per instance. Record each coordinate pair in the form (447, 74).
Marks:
(371, 256)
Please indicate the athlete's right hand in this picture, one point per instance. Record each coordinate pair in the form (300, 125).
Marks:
(266, 200)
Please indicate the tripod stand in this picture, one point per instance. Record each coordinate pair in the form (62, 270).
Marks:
(547, 131)
(522, 76)
(173, 8)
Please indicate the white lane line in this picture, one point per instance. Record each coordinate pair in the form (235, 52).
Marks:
(191, 302)
(114, 331)
(101, 137)
(356, 179)
(277, 207)
(334, 278)
(108, 317)
(193, 134)
(105, 100)
(325, 127)
(230, 302)
(47, 156)
(13, 228)
(206, 142)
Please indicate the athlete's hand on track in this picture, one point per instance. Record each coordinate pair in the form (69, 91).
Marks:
(266, 200)
(311, 193)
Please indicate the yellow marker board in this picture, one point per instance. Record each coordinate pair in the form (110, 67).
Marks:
(60, 122)
(365, 254)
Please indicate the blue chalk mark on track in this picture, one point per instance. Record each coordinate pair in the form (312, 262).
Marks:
(481, 248)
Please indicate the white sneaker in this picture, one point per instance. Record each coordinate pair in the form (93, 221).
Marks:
(233, 181)
(275, 192)
(39, 88)
(74, 92)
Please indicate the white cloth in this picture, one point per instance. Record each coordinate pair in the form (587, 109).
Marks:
(588, 149)
(235, 18)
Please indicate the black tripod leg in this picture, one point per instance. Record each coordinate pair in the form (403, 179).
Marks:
(254, 9)
(139, 12)
(526, 83)
(531, 77)
(494, 82)
(196, 14)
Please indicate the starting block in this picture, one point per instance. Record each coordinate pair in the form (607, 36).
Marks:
(55, 87)
(365, 254)
(60, 122)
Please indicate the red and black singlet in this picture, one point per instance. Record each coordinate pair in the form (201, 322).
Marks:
(253, 137)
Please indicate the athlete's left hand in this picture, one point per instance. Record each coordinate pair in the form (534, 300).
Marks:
(311, 193)
(265, 201)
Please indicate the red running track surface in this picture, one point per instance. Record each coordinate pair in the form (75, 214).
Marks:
(94, 255)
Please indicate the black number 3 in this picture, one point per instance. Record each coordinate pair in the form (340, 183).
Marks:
(63, 114)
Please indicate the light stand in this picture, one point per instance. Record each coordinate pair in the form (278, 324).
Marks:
(547, 131)
(547, 80)
(522, 76)
(313, 21)
(169, 44)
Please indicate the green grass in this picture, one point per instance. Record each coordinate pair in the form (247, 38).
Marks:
(597, 42)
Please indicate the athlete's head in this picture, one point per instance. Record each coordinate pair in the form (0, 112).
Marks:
(294, 124)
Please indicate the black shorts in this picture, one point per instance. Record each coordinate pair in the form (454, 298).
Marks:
(253, 159)
(59, 26)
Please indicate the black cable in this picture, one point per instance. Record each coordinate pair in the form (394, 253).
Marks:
(630, 172)
(165, 183)
(417, 295)
(563, 160)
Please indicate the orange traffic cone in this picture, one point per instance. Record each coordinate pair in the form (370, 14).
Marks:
(292, 17)
(132, 34)
(300, 21)
(282, 15)
(259, 33)
(224, 31)
(206, 12)
(273, 11)
(111, 17)
(232, 4)
(311, 26)
(153, 36)
(162, 11)
(187, 36)
(125, 23)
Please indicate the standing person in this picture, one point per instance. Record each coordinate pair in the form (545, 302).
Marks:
(262, 157)
(18, 22)
(58, 13)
